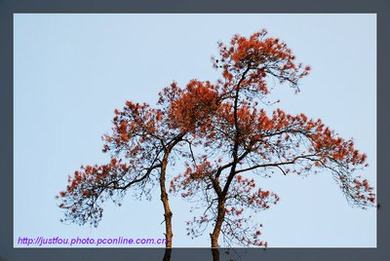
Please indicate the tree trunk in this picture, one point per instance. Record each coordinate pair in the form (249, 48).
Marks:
(215, 254)
(164, 198)
(221, 208)
(218, 224)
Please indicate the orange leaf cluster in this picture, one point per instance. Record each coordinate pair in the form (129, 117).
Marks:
(96, 174)
(258, 56)
(194, 107)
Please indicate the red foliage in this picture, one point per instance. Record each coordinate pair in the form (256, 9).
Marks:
(193, 107)
(258, 56)
(233, 136)
(239, 137)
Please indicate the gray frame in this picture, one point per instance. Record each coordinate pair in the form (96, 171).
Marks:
(9, 7)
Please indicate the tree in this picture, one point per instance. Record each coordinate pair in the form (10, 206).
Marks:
(223, 133)
(142, 145)
(242, 138)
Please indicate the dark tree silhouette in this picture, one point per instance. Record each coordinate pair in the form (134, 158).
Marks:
(143, 142)
(241, 137)
(224, 134)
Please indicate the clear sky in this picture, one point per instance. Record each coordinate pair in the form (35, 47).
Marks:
(72, 71)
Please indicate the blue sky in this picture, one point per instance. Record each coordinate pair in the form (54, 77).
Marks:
(72, 71)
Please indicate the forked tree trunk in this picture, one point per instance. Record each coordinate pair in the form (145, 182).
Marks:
(164, 198)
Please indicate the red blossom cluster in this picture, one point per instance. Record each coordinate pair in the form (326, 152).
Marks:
(190, 175)
(133, 120)
(243, 192)
(258, 56)
(80, 200)
(193, 108)
(96, 174)
(364, 191)
(324, 141)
